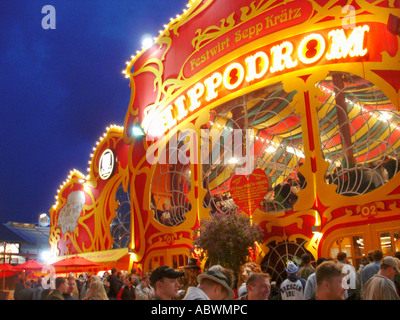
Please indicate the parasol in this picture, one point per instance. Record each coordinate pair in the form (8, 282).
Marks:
(75, 262)
(6, 271)
(30, 265)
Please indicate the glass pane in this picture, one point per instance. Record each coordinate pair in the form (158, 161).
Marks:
(172, 182)
(358, 244)
(386, 243)
(334, 252)
(346, 247)
(396, 240)
(181, 260)
(275, 144)
(358, 126)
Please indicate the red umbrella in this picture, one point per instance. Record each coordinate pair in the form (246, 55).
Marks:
(6, 271)
(30, 265)
(75, 262)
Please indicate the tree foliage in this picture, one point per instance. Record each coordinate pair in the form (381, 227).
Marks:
(226, 239)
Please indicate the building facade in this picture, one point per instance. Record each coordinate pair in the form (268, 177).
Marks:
(286, 111)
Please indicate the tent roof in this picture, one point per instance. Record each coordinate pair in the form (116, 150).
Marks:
(23, 233)
(7, 235)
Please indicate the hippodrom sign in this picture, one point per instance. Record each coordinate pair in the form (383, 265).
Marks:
(267, 62)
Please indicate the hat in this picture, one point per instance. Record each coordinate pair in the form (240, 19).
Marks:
(164, 272)
(390, 261)
(215, 274)
(291, 267)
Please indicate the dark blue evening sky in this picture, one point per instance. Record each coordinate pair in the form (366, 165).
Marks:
(61, 88)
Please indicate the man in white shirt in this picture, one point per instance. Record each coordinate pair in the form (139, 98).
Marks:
(215, 284)
(293, 287)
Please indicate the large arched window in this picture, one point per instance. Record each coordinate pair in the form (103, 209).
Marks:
(359, 133)
(265, 125)
(120, 227)
(172, 182)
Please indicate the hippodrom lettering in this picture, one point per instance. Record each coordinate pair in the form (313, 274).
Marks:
(256, 67)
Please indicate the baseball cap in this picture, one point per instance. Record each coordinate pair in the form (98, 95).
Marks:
(165, 272)
(291, 267)
(390, 261)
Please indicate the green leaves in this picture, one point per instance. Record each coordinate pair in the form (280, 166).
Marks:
(226, 239)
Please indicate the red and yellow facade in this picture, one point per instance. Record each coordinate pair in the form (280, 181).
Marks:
(313, 90)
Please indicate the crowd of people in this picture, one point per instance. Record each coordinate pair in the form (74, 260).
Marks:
(378, 278)
(115, 286)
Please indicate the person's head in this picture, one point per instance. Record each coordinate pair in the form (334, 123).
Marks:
(93, 278)
(397, 255)
(164, 206)
(165, 282)
(371, 255)
(329, 279)
(306, 258)
(258, 286)
(145, 281)
(61, 284)
(321, 260)
(378, 255)
(389, 267)
(217, 283)
(291, 268)
(364, 261)
(129, 280)
(114, 271)
(342, 256)
(97, 291)
(71, 284)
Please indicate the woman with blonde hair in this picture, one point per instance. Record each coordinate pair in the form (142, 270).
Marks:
(96, 291)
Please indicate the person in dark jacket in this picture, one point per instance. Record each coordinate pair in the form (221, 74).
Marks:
(18, 287)
(115, 284)
(23, 292)
(61, 288)
(127, 292)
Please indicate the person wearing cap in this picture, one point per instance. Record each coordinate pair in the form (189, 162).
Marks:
(164, 280)
(396, 279)
(293, 287)
(215, 284)
(381, 285)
